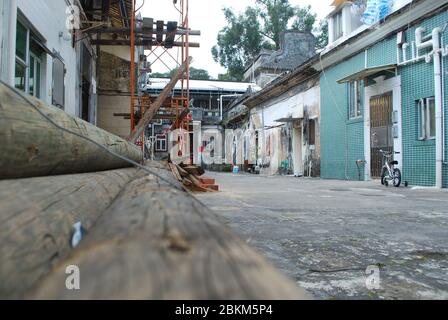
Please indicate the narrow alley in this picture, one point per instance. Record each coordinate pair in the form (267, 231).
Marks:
(325, 233)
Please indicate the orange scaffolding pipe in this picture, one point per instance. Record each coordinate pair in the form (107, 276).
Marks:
(179, 104)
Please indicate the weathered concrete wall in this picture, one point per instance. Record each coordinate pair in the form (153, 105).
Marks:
(113, 93)
(286, 120)
(108, 105)
(295, 48)
(114, 73)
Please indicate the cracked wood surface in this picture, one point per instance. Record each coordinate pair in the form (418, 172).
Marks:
(32, 146)
(157, 242)
(37, 217)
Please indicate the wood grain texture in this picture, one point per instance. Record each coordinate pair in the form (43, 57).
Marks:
(37, 217)
(32, 146)
(157, 242)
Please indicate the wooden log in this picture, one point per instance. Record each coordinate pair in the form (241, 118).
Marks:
(37, 217)
(198, 186)
(156, 242)
(197, 171)
(186, 182)
(32, 146)
(151, 112)
(175, 172)
(182, 172)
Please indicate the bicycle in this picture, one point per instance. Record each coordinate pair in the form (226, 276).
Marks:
(389, 172)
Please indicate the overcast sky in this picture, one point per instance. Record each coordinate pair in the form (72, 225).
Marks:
(207, 16)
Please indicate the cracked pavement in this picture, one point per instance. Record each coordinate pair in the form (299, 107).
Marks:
(325, 233)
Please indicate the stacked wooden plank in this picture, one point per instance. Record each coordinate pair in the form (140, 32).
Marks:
(192, 178)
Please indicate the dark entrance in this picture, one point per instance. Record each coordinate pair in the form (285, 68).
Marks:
(381, 131)
(86, 72)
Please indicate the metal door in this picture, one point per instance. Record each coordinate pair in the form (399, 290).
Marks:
(381, 136)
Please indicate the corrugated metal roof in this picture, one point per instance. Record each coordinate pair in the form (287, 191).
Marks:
(206, 85)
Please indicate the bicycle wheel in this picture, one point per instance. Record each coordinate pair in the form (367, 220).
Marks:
(397, 178)
(383, 176)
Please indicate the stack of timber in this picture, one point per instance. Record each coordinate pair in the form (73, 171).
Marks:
(192, 178)
(144, 239)
(33, 146)
(143, 236)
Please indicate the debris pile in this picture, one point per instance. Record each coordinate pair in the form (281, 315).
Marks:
(192, 177)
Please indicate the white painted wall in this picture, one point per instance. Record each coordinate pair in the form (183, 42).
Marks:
(8, 25)
(48, 19)
(290, 107)
(287, 106)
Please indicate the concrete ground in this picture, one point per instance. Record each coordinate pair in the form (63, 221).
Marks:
(325, 233)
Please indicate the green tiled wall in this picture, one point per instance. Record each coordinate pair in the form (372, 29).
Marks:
(418, 82)
(343, 140)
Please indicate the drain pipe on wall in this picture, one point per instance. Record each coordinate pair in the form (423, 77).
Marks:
(438, 98)
(439, 106)
(444, 54)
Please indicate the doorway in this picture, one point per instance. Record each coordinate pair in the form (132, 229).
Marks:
(85, 76)
(297, 143)
(381, 127)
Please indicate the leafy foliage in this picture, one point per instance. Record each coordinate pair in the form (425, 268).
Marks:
(257, 28)
(322, 37)
(195, 74)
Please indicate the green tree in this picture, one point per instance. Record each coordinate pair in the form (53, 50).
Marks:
(239, 41)
(322, 35)
(304, 19)
(195, 74)
(259, 27)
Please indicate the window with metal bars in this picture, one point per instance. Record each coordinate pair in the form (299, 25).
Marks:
(426, 118)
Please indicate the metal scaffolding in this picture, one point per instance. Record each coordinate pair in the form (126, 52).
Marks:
(176, 107)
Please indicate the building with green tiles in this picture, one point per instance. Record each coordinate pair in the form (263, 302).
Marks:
(380, 89)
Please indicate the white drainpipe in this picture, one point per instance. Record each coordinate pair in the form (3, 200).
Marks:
(436, 52)
(439, 106)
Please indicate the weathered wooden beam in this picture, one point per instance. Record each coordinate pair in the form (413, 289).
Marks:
(32, 146)
(127, 31)
(157, 242)
(151, 112)
(37, 217)
(122, 42)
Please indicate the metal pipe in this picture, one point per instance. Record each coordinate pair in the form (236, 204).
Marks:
(405, 47)
(443, 104)
(419, 40)
(438, 106)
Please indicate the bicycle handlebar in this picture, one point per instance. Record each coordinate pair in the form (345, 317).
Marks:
(388, 153)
